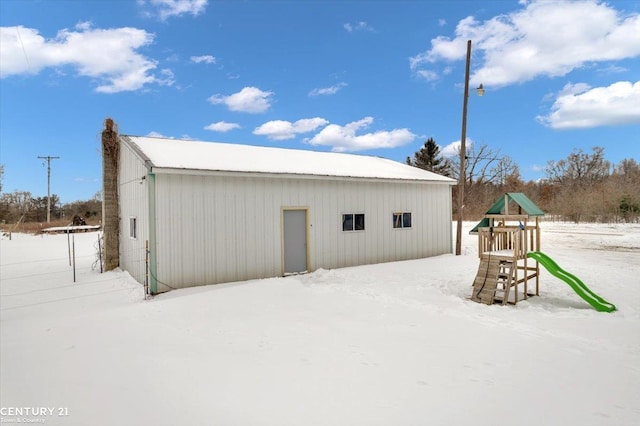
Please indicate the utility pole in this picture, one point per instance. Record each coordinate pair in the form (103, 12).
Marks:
(463, 153)
(49, 158)
(462, 178)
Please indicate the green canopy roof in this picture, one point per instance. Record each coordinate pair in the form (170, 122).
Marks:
(527, 206)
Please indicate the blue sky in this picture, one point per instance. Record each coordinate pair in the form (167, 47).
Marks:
(369, 77)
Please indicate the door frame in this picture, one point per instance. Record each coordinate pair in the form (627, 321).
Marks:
(306, 236)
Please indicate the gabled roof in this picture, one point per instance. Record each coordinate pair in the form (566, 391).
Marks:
(162, 153)
(528, 207)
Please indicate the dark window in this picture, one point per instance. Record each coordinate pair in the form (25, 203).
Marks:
(402, 220)
(133, 231)
(406, 220)
(353, 222)
(347, 222)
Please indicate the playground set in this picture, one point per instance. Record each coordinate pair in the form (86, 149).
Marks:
(510, 256)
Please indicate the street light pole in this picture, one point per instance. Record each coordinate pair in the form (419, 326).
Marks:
(462, 178)
(463, 153)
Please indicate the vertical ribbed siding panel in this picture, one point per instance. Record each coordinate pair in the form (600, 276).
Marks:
(333, 233)
(360, 242)
(392, 234)
(381, 209)
(201, 231)
(208, 231)
(214, 229)
(169, 231)
(221, 232)
(246, 251)
(182, 228)
(273, 232)
(424, 216)
(345, 205)
(133, 201)
(442, 223)
(254, 246)
(195, 265)
(326, 225)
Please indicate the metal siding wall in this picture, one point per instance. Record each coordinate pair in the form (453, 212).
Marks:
(133, 195)
(214, 229)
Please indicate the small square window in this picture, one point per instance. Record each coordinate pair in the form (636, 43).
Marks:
(353, 222)
(347, 222)
(406, 220)
(133, 228)
(402, 220)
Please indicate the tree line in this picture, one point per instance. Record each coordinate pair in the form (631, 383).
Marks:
(22, 206)
(584, 187)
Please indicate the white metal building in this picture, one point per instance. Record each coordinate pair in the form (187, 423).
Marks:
(214, 212)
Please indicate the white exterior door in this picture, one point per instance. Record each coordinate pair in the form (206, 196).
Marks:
(295, 241)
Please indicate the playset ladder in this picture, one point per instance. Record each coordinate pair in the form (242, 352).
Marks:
(493, 280)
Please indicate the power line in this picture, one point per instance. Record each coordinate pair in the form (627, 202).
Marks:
(49, 158)
(23, 49)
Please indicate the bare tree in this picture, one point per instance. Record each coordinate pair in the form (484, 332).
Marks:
(628, 168)
(579, 168)
(484, 165)
(15, 205)
(582, 193)
(487, 172)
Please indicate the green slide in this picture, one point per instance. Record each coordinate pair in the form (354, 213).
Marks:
(574, 282)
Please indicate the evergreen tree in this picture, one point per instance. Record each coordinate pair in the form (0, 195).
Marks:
(429, 158)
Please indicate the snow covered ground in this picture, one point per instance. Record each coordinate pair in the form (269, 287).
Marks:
(388, 344)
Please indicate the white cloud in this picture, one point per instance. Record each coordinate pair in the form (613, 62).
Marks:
(154, 134)
(344, 138)
(172, 58)
(207, 59)
(427, 75)
(358, 26)
(165, 9)
(281, 130)
(222, 126)
(613, 69)
(109, 56)
(249, 99)
(580, 106)
(166, 77)
(324, 91)
(543, 38)
(453, 149)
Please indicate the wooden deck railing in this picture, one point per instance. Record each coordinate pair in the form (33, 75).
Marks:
(503, 241)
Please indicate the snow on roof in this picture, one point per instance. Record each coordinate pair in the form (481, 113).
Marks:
(214, 156)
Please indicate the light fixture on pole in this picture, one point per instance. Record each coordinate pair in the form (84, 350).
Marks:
(463, 150)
